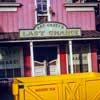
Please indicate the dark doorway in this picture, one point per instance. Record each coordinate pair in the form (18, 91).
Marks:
(45, 53)
(46, 56)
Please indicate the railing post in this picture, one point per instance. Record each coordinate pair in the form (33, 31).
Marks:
(71, 56)
(45, 67)
(32, 58)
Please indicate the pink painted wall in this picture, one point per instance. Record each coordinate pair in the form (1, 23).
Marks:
(84, 20)
(24, 17)
(20, 19)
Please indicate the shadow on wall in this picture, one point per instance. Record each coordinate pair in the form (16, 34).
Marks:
(1, 30)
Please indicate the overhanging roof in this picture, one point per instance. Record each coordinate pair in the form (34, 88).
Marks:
(14, 36)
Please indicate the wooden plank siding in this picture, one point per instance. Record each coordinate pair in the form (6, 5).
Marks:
(84, 19)
(24, 17)
(20, 19)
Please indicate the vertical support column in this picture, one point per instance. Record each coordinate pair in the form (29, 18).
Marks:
(89, 60)
(27, 65)
(63, 59)
(48, 11)
(94, 57)
(32, 58)
(35, 4)
(71, 56)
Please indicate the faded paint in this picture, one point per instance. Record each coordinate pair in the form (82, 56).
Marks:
(24, 17)
(94, 57)
(63, 59)
(84, 20)
(21, 19)
(27, 64)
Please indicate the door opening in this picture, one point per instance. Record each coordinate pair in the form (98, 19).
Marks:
(46, 60)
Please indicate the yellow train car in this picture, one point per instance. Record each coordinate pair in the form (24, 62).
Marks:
(83, 86)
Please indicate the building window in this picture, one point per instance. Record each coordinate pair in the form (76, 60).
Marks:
(42, 19)
(42, 11)
(81, 58)
(10, 62)
(7, 0)
(41, 6)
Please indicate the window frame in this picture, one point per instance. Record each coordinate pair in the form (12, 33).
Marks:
(47, 13)
(4, 67)
(88, 58)
(42, 6)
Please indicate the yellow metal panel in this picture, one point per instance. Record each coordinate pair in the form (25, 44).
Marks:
(72, 90)
(83, 86)
(15, 88)
(21, 94)
(37, 79)
(43, 92)
(93, 89)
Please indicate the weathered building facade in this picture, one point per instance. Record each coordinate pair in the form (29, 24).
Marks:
(33, 42)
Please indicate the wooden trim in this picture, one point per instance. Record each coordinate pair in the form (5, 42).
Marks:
(10, 4)
(89, 60)
(67, 63)
(47, 14)
(48, 8)
(80, 9)
(71, 56)
(32, 59)
(6, 9)
(80, 4)
(35, 12)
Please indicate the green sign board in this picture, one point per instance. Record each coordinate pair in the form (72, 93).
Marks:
(51, 29)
